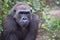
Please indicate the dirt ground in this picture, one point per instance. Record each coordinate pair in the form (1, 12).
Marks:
(42, 35)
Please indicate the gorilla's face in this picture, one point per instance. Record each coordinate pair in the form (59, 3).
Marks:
(23, 18)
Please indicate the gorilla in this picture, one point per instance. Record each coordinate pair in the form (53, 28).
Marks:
(20, 23)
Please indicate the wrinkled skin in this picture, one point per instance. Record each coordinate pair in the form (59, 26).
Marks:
(20, 23)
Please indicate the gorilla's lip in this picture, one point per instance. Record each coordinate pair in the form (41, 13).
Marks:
(24, 25)
(24, 22)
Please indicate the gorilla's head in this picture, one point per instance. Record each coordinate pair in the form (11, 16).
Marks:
(22, 14)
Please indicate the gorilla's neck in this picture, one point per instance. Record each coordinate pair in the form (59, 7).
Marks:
(22, 27)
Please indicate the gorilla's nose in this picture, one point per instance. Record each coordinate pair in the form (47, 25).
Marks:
(24, 18)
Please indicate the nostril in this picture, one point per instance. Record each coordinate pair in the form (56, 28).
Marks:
(24, 18)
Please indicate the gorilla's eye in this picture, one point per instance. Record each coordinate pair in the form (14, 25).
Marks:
(27, 12)
(24, 12)
(21, 12)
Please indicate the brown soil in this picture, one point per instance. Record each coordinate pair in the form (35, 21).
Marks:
(42, 35)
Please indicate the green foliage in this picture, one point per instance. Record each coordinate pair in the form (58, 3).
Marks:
(51, 25)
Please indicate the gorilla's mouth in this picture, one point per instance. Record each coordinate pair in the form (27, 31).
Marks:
(24, 24)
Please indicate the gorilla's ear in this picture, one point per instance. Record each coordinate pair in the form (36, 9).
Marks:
(31, 10)
(14, 10)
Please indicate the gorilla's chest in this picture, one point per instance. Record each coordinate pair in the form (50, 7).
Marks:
(21, 33)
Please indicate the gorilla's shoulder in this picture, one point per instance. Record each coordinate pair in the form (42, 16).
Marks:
(35, 16)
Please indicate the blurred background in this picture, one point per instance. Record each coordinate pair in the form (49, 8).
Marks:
(48, 12)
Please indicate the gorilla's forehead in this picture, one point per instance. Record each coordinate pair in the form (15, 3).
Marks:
(23, 7)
